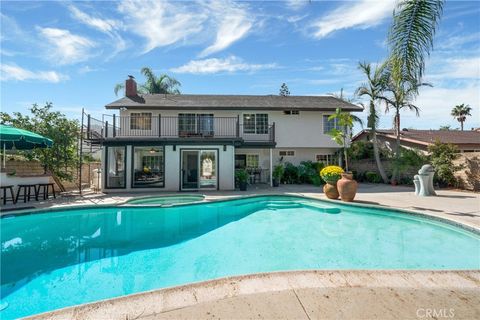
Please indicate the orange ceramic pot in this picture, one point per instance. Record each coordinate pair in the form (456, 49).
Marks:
(330, 190)
(347, 187)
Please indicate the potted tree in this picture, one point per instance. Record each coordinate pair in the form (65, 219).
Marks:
(277, 174)
(347, 187)
(331, 174)
(242, 178)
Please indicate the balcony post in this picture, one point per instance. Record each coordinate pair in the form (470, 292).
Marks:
(273, 133)
(88, 126)
(106, 129)
(159, 125)
(238, 126)
(114, 132)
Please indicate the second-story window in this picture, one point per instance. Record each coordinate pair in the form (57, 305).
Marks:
(329, 125)
(186, 123)
(141, 121)
(255, 123)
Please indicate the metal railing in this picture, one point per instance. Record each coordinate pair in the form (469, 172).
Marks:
(198, 126)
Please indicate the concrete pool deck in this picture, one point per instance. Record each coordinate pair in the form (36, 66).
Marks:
(300, 295)
(394, 294)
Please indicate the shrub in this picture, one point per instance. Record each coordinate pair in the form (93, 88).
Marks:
(442, 156)
(373, 177)
(308, 171)
(290, 174)
(278, 171)
(331, 173)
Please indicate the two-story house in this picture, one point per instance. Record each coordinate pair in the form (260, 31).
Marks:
(196, 142)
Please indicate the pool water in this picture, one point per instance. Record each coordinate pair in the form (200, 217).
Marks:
(69, 257)
(167, 200)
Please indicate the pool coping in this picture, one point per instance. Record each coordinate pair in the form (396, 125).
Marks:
(427, 215)
(158, 301)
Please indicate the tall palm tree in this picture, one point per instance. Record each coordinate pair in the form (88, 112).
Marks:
(373, 89)
(411, 34)
(460, 112)
(154, 84)
(399, 93)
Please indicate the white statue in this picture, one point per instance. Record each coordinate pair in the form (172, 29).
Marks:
(424, 181)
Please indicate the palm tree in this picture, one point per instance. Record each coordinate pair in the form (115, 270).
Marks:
(400, 93)
(373, 89)
(411, 34)
(460, 112)
(345, 122)
(162, 84)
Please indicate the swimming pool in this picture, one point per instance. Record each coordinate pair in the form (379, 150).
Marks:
(62, 258)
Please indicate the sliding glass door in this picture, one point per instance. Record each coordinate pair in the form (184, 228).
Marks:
(199, 170)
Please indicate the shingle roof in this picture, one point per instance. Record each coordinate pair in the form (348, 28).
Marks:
(456, 137)
(229, 102)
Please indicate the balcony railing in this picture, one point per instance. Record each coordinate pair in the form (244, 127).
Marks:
(199, 126)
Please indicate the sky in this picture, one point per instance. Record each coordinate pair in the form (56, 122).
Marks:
(73, 53)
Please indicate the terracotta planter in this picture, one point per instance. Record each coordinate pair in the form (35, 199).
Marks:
(330, 190)
(347, 187)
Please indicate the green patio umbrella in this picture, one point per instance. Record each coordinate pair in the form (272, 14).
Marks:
(19, 139)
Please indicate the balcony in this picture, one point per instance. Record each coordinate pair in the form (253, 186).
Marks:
(196, 127)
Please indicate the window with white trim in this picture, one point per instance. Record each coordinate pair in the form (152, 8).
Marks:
(141, 121)
(329, 125)
(253, 160)
(327, 159)
(255, 123)
(286, 153)
(291, 112)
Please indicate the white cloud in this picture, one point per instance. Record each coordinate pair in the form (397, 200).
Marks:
(296, 4)
(214, 65)
(107, 26)
(362, 14)
(233, 24)
(67, 48)
(435, 105)
(14, 72)
(454, 42)
(161, 23)
(103, 25)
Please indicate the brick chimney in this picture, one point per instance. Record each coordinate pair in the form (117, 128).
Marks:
(130, 87)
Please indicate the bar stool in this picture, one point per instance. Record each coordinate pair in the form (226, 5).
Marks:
(12, 195)
(44, 188)
(27, 191)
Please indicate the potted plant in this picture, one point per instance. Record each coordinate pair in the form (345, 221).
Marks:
(277, 174)
(347, 187)
(331, 174)
(242, 178)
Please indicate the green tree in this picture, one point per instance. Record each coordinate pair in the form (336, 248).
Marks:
(345, 122)
(154, 84)
(399, 93)
(445, 128)
(411, 34)
(62, 157)
(442, 156)
(284, 90)
(373, 89)
(460, 112)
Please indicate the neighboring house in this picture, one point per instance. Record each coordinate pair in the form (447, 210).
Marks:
(196, 142)
(465, 141)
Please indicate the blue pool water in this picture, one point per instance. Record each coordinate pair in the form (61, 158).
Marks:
(58, 259)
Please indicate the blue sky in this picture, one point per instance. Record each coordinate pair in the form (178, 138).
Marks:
(73, 53)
